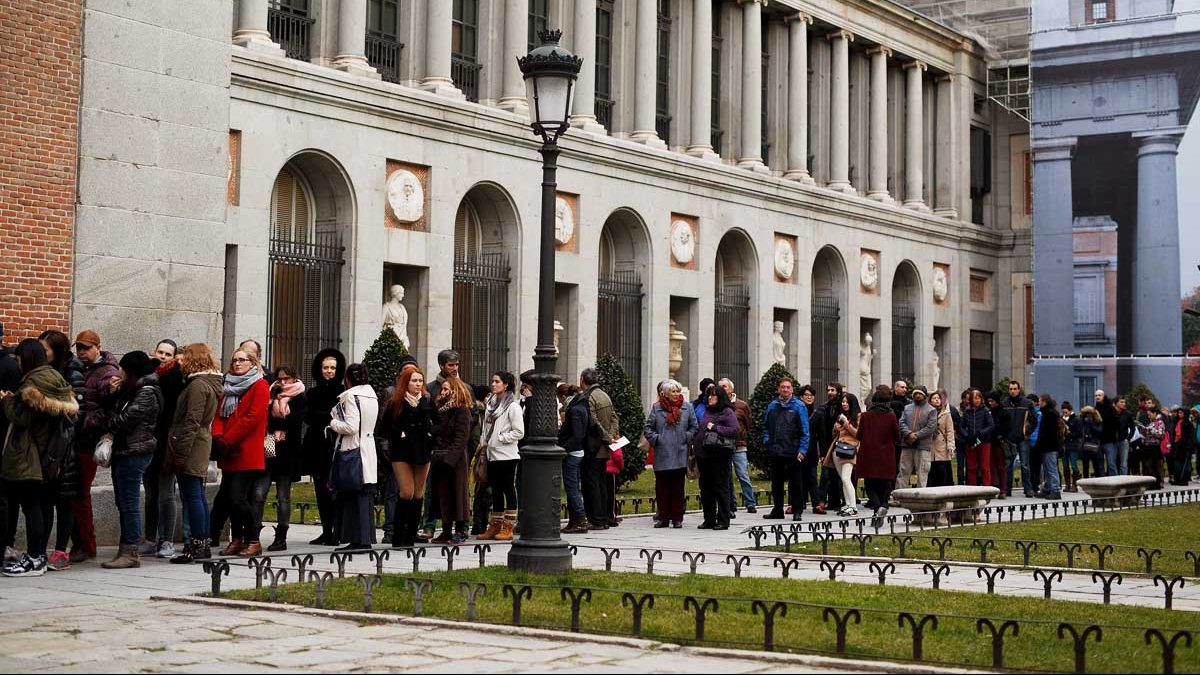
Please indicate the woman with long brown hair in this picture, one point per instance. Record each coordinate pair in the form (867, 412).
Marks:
(409, 420)
(189, 443)
(454, 403)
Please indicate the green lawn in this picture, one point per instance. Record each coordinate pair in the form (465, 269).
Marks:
(1172, 529)
(802, 629)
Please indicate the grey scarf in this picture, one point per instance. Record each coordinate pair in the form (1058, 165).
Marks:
(235, 387)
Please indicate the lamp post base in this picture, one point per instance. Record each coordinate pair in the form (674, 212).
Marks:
(547, 558)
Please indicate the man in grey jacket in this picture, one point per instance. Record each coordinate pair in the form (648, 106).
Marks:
(918, 424)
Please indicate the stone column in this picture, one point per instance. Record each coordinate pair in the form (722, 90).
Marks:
(646, 74)
(751, 154)
(878, 187)
(702, 67)
(1053, 266)
(352, 39)
(1157, 324)
(797, 115)
(583, 112)
(943, 195)
(251, 31)
(914, 137)
(839, 114)
(439, 28)
(516, 44)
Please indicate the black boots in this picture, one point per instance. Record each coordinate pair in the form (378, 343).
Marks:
(280, 543)
(193, 550)
(405, 522)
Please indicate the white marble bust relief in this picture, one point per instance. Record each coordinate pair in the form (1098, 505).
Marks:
(406, 196)
(564, 221)
(785, 259)
(683, 242)
(941, 285)
(869, 272)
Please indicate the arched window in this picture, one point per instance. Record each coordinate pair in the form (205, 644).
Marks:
(619, 307)
(291, 209)
(480, 329)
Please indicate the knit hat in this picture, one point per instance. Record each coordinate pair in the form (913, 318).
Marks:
(89, 338)
(922, 389)
(138, 364)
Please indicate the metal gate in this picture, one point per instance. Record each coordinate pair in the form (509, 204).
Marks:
(304, 302)
(732, 343)
(480, 330)
(904, 343)
(619, 327)
(826, 356)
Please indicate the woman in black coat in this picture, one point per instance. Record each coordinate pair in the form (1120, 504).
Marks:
(65, 489)
(289, 404)
(408, 422)
(328, 372)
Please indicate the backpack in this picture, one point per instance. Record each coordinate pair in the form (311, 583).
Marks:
(59, 447)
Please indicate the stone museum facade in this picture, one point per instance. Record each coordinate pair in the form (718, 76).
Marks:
(273, 169)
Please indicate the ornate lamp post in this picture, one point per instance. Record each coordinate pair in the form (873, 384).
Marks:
(550, 73)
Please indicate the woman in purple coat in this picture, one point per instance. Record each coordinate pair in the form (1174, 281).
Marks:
(714, 443)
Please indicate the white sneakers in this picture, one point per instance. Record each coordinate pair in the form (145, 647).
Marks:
(26, 567)
(166, 550)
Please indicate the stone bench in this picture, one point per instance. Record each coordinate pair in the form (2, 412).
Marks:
(938, 500)
(1113, 488)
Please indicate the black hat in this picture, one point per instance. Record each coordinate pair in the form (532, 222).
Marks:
(138, 364)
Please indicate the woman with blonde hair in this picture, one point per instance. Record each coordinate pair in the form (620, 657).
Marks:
(189, 443)
(450, 463)
(408, 423)
(238, 432)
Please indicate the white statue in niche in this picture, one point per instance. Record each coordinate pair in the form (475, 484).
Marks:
(406, 196)
(396, 316)
(564, 221)
(683, 242)
(935, 362)
(941, 285)
(785, 259)
(866, 358)
(779, 345)
(869, 273)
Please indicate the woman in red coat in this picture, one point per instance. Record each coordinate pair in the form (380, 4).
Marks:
(878, 436)
(238, 431)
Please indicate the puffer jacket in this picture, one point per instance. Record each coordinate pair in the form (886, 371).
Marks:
(97, 376)
(42, 396)
(191, 429)
(785, 433)
(670, 441)
(975, 426)
(133, 419)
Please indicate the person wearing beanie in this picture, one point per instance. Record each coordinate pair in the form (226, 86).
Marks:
(99, 368)
(131, 418)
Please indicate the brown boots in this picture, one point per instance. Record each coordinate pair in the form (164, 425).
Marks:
(576, 525)
(126, 558)
(495, 520)
(506, 526)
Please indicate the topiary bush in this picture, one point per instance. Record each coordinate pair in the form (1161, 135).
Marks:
(1131, 397)
(766, 391)
(383, 361)
(616, 383)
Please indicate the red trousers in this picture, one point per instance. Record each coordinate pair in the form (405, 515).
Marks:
(999, 470)
(84, 536)
(979, 459)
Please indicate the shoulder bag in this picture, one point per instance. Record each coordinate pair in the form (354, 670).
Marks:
(346, 471)
(843, 450)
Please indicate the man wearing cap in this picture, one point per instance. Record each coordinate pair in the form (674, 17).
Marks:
(99, 368)
(918, 424)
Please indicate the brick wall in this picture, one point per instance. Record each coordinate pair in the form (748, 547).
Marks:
(39, 131)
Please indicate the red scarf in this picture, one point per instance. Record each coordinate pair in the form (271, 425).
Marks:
(673, 407)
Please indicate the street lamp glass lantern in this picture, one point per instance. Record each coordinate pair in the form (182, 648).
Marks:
(550, 72)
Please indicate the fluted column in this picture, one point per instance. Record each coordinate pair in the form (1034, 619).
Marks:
(439, 28)
(702, 67)
(943, 194)
(251, 31)
(751, 154)
(646, 73)
(584, 110)
(839, 114)
(914, 137)
(352, 39)
(878, 187)
(516, 45)
(797, 115)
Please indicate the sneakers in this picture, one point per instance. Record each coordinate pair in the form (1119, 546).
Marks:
(147, 548)
(847, 511)
(459, 538)
(79, 555)
(59, 561)
(752, 509)
(165, 550)
(26, 567)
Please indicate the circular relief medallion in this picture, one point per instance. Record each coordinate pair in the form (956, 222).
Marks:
(785, 259)
(941, 285)
(683, 242)
(869, 272)
(564, 221)
(406, 196)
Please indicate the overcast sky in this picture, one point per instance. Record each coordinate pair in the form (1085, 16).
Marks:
(1189, 184)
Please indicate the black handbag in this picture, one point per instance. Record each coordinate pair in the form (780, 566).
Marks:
(346, 471)
(844, 450)
(718, 442)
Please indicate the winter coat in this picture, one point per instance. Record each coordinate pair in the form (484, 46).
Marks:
(943, 437)
(1049, 438)
(842, 433)
(72, 372)
(453, 436)
(243, 431)
(923, 421)
(1022, 418)
(353, 420)
(605, 427)
(10, 379)
(190, 434)
(32, 411)
(317, 449)
(97, 376)
(132, 418)
(670, 441)
(410, 430)
(1074, 433)
(975, 426)
(724, 423)
(504, 432)
(573, 434)
(785, 432)
(745, 418)
(878, 435)
(287, 460)
(1093, 427)
(1109, 423)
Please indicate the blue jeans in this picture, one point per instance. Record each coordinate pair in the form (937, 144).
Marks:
(741, 469)
(195, 506)
(127, 475)
(1109, 451)
(1071, 461)
(572, 485)
(1022, 460)
(1051, 481)
(1123, 457)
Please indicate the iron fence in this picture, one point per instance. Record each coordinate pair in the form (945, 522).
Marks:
(480, 329)
(383, 53)
(304, 299)
(620, 320)
(465, 74)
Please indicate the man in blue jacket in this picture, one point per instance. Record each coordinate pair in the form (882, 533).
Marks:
(785, 438)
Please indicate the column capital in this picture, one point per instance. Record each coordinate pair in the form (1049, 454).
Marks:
(1054, 149)
(840, 34)
(919, 65)
(1164, 136)
(943, 78)
(880, 49)
(798, 16)
(752, 2)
